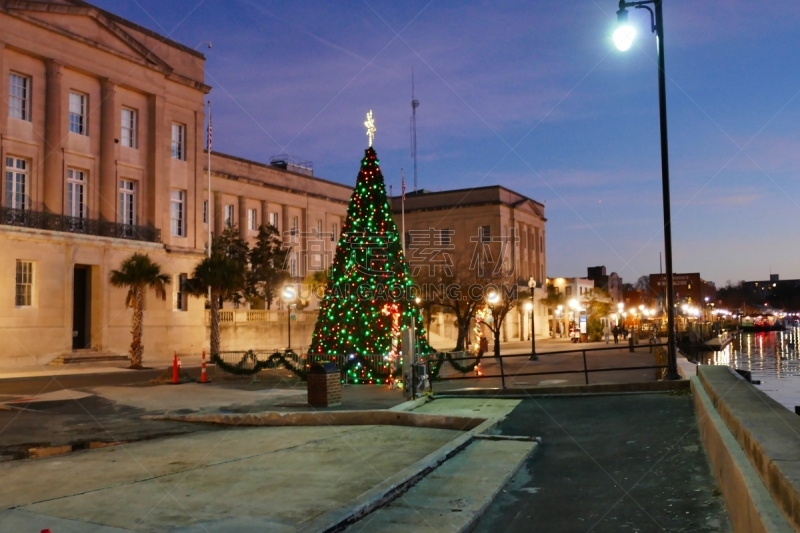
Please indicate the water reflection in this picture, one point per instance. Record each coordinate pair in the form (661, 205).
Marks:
(771, 354)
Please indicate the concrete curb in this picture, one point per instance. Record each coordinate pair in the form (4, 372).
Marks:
(393, 487)
(332, 418)
(410, 405)
(747, 500)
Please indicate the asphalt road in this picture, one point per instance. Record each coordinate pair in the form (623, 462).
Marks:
(608, 464)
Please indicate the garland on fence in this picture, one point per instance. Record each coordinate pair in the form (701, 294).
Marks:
(244, 368)
(464, 369)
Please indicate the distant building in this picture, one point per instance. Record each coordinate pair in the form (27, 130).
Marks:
(689, 288)
(763, 290)
(610, 283)
(577, 288)
(478, 229)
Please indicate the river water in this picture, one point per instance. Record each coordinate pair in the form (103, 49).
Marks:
(772, 357)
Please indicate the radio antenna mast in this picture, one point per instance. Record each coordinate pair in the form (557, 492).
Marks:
(414, 106)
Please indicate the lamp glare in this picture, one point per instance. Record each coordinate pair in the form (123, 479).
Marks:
(623, 37)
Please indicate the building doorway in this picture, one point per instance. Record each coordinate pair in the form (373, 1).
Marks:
(81, 308)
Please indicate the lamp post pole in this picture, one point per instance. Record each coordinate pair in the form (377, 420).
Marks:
(657, 23)
(532, 285)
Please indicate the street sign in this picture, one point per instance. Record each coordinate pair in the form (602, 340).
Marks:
(583, 324)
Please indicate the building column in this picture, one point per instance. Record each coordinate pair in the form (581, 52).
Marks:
(219, 215)
(4, 92)
(107, 180)
(4, 119)
(264, 213)
(243, 217)
(53, 135)
(157, 180)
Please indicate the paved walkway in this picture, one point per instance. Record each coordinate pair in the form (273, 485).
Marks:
(609, 464)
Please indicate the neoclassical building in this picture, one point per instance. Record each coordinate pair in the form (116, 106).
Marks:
(102, 134)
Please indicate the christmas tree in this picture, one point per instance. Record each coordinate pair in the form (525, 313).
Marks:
(369, 292)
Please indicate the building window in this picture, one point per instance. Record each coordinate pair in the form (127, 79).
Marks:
(19, 96)
(445, 237)
(273, 219)
(177, 213)
(75, 187)
(252, 219)
(77, 113)
(486, 233)
(129, 127)
(229, 216)
(568, 291)
(181, 298)
(24, 285)
(293, 266)
(541, 243)
(205, 211)
(334, 229)
(294, 225)
(179, 141)
(16, 183)
(127, 202)
(319, 227)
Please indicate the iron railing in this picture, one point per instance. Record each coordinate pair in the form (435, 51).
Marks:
(586, 370)
(27, 218)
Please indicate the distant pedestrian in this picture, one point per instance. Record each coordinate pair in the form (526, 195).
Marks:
(615, 332)
(606, 332)
(624, 333)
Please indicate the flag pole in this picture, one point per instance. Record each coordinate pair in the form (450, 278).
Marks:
(208, 210)
(403, 208)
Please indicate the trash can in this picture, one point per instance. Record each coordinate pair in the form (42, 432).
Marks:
(324, 385)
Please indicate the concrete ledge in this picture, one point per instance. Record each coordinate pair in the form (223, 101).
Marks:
(598, 388)
(332, 418)
(747, 500)
(768, 433)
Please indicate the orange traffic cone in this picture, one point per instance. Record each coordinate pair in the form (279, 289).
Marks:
(175, 368)
(203, 375)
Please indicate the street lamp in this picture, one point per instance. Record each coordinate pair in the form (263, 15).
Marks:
(289, 295)
(494, 298)
(623, 38)
(532, 286)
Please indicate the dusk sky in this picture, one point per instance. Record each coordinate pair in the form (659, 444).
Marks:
(531, 95)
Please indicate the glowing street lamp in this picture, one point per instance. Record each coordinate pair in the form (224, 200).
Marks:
(532, 286)
(623, 38)
(289, 295)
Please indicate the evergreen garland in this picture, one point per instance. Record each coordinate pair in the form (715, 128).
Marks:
(243, 367)
(464, 369)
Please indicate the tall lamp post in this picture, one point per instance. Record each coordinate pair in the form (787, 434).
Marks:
(623, 39)
(532, 286)
(289, 295)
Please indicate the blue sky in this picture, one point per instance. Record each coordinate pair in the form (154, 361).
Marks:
(531, 95)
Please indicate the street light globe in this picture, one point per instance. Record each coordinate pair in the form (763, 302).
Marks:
(624, 36)
(573, 303)
(528, 306)
(493, 297)
(288, 293)
(418, 300)
(620, 306)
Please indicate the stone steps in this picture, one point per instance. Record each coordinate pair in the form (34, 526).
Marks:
(87, 356)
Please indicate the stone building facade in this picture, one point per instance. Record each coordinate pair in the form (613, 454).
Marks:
(478, 230)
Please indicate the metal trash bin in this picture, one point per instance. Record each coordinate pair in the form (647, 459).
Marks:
(324, 385)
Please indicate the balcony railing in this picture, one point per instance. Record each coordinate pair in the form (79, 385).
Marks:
(50, 221)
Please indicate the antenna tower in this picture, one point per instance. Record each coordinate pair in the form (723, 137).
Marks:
(414, 106)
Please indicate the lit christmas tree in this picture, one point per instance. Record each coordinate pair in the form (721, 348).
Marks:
(369, 291)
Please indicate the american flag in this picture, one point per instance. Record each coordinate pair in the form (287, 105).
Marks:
(209, 125)
(403, 188)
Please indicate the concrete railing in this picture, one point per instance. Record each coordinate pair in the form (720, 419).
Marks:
(753, 443)
(229, 317)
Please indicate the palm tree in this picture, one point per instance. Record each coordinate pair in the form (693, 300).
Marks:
(137, 273)
(225, 277)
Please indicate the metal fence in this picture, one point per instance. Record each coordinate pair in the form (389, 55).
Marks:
(464, 360)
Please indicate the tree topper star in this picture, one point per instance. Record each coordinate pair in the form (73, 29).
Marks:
(370, 124)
